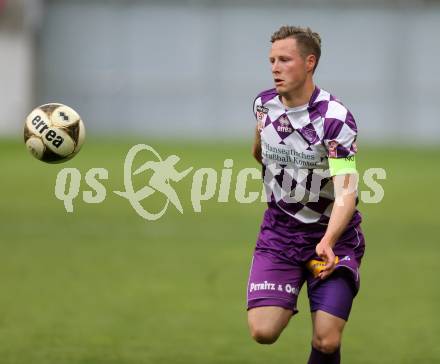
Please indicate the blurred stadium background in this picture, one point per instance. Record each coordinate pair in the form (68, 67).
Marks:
(196, 64)
(102, 285)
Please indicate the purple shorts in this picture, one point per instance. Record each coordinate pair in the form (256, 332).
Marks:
(282, 263)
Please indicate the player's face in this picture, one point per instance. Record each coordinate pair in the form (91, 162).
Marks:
(289, 68)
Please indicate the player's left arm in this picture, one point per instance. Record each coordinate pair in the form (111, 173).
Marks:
(345, 186)
(340, 142)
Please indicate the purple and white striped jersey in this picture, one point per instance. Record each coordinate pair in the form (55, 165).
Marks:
(296, 144)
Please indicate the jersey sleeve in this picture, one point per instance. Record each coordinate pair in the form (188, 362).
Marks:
(260, 111)
(257, 102)
(340, 133)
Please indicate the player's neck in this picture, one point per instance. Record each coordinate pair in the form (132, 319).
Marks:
(299, 97)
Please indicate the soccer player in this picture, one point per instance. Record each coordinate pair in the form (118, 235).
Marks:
(305, 141)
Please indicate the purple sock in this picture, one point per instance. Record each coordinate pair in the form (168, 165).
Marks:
(318, 357)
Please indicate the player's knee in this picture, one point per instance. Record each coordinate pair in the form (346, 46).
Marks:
(264, 335)
(327, 344)
(266, 323)
(262, 332)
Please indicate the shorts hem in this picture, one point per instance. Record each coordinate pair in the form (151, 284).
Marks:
(332, 311)
(264, 302)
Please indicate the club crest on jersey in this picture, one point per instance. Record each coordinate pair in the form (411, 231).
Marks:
(284, 125)
(262, 112)
(309, 133)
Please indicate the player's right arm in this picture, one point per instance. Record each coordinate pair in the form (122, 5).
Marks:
(256, 148)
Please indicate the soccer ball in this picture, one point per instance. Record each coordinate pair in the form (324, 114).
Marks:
(54, 133)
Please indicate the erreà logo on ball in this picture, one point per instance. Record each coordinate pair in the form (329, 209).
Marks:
(51, 135)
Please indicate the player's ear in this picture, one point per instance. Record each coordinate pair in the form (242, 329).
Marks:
(310, 62)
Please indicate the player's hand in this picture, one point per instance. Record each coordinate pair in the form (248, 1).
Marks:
(325, 252)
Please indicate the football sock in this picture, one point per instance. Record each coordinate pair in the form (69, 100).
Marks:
(318, 357)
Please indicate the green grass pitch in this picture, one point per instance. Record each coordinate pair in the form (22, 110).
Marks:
(102, 285)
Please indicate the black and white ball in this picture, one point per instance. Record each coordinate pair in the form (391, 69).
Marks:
(54, 133)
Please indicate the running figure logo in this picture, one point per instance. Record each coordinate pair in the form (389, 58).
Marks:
(164, 171)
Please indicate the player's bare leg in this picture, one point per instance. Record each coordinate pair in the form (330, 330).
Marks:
(266, 323)
(327, 335)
